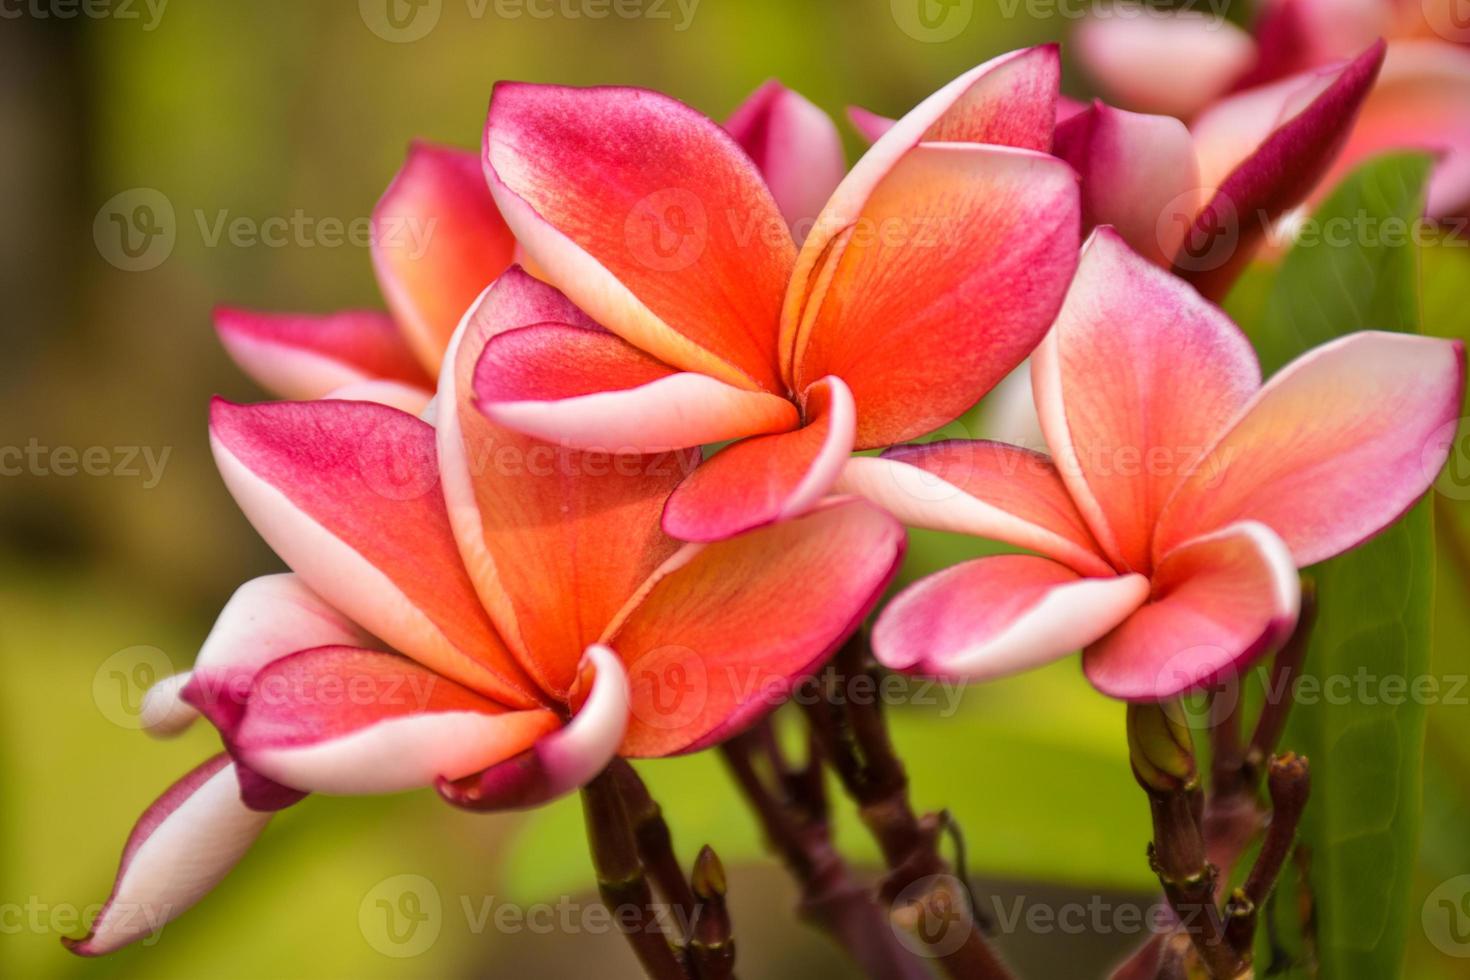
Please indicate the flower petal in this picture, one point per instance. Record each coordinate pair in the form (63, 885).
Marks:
(1008, 101)
(181, 847)
(1001, 615)
(796, 146)
(590, 389)
(870, 125)
(394, 394)
(1421, 101)
(559, 762)
(651, 219)
(349, 721)
(267, 618)
(1263, 151)
(1138, 377)
(953, 274)
(1333, 449)
(297, 355)
(766, 478)
(1218, 602)
(556, 540)
(721, 632)
(347, 494)
(1139, 174)
(437, 242)
(1172, 64)
(986, 489)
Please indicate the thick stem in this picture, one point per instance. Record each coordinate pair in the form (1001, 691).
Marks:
(655, 842)
(621, 881)
(854, 737)
(796, 828)
(1289, 781)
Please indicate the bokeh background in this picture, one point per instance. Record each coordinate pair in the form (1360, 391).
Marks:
(283, 109)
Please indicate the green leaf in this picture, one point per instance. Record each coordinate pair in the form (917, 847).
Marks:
(1354, 267)
(1016, 761)
(1357, 270)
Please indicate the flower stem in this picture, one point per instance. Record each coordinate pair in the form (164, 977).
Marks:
(920, 884)
(621, 880)
(655, 843)
(794, 818)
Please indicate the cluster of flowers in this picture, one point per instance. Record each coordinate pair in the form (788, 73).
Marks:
(501, 522)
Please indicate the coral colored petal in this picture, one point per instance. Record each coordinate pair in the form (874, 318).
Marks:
(296, 355)
(267, 618)
(1172, 64)
(796, 146)
(986, 489)
(1333, 449)
(953, 274)
(590, 389)
(1262, 152)
(562, 761)
(1218, 602)
(766, 478)
(723, 631)
(437, 242)
(556, 540)
(996, 616)
(1139, 174)
(1010, 100)
(347, 493)
(181, 847)
(650, 217)
(1136, 380)
(349, 721)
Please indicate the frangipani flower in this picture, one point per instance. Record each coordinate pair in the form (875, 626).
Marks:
(438, 241)
(1181, 496)
(471, 609)
(1199, 199)
(931, 271)
(1181, 64)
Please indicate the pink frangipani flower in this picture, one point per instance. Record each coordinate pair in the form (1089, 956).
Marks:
(1190, 66)
(438, 241)
(930, 272)
(1200, 199)
(471, 609)
(1181, 495)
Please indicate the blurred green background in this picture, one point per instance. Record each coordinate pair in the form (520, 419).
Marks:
(279, 109)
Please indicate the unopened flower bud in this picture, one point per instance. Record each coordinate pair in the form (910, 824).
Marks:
(1161, 749)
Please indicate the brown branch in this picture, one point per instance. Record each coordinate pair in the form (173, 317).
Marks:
(655, 842)
(796, 827)
(1289, 782)
(621, 881)
(1280, 683)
